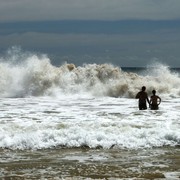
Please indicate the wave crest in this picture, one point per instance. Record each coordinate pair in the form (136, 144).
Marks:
(36, 76)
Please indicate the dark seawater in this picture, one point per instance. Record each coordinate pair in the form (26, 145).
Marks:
(142, 69)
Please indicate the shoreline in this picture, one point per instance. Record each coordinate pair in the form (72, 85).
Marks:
(82, 163)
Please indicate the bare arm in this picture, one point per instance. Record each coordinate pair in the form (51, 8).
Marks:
(159, 100)
(137, 95)
(148, 100)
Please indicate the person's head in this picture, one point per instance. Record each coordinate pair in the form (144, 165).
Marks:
(154, 92)
(143, 88)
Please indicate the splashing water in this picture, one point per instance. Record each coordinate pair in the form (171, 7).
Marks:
(25, 74)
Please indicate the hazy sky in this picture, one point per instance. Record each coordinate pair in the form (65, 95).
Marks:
(121, 32)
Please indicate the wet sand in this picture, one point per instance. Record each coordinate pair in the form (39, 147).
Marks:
(85, 163)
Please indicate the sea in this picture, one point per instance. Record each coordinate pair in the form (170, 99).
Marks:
(83, 122)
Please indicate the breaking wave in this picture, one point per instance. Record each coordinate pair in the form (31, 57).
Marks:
(25, 75)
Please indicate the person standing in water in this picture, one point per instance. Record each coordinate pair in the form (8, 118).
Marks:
(143, 97)
(154, 101)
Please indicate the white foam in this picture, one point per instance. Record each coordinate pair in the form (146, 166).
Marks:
(24, 74)
(172, 175)
(36, 123)
(74, 106)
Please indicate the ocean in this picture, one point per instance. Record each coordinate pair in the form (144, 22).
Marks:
(83, 122)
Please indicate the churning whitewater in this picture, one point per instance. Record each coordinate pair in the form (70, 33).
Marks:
(36, 76)
(93, 105)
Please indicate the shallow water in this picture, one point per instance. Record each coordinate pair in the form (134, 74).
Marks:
(84, 137)
(65, 122)
(82, 163)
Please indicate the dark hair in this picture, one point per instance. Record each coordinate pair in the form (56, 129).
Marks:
(153, 91)
(143, 88)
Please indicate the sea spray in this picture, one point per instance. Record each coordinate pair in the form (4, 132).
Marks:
(34, 75)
